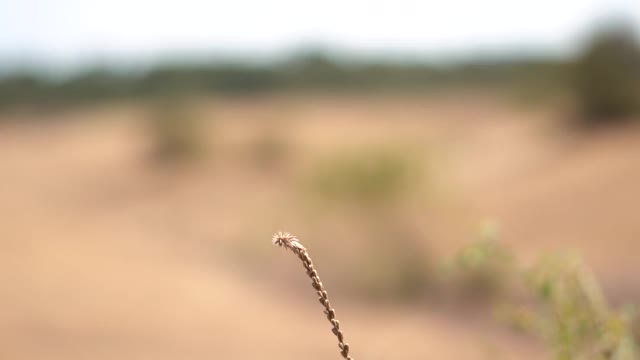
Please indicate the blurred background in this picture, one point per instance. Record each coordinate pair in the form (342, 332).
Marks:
(465, 175)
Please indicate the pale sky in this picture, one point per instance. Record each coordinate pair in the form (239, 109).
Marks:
(76, 31)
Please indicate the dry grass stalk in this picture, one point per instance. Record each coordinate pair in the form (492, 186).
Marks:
(290, 242)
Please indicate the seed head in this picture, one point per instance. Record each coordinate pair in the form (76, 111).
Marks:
(286, 240)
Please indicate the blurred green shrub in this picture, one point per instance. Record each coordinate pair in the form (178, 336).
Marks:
(482, 269)
(372, 183)
(562, 302)
(176, 132)
(374, 176)
(607, 77)
(571, 314)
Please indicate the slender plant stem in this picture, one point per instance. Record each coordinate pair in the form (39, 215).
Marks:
(290, 242)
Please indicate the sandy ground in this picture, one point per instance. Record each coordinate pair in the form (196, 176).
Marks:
(105, 257)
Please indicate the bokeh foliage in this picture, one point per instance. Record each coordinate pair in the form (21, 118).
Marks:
(365, 177)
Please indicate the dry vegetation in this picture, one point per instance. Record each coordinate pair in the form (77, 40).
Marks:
(290, 242)
(106, 257)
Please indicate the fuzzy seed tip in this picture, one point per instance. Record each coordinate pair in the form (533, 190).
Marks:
(286, 240)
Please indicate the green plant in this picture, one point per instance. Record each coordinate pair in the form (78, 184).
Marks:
(574, 316)
(290, 242)
(483, 268)
(562, 302)
(373, 188)
(369, 177)
(568, 310)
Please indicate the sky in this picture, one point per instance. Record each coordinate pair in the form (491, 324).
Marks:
(72, 32)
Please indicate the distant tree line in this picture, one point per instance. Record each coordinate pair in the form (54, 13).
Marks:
(310, 72)
(604, 78)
